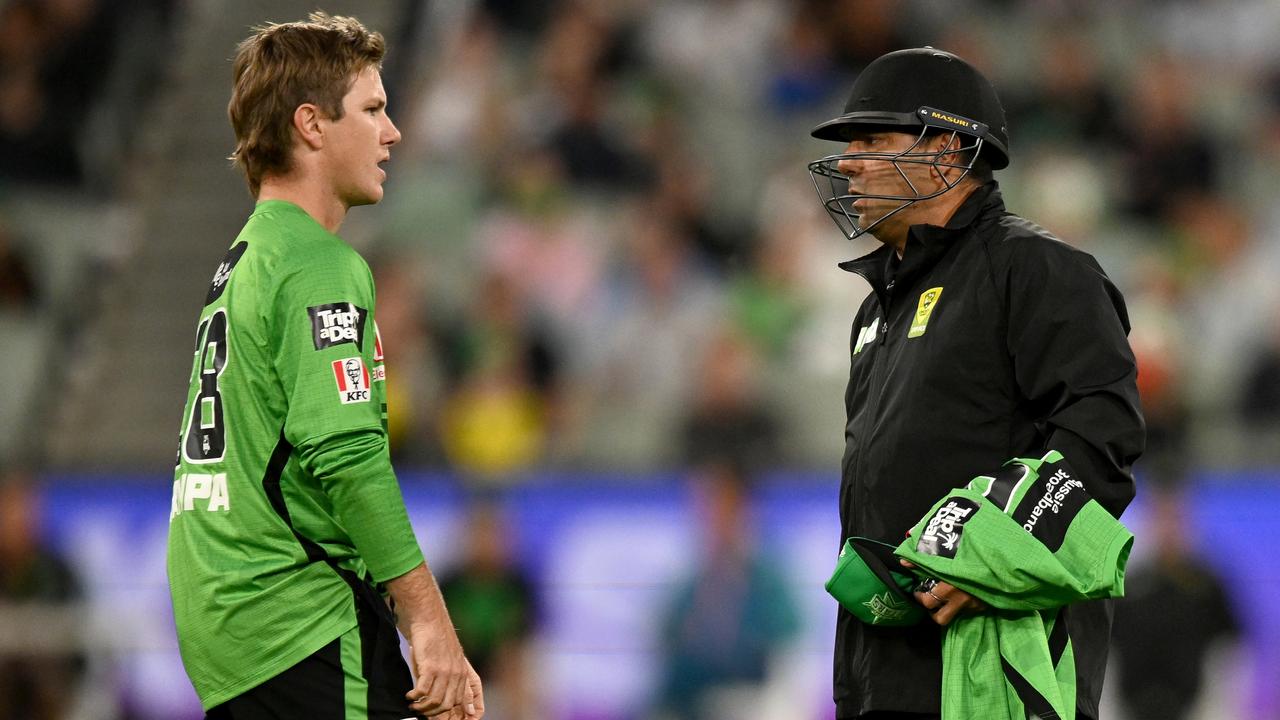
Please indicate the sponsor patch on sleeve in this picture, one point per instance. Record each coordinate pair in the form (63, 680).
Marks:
(1051, 504)
(379, 370)
(337, 323)
(223, 273)
(942, 535)
(353, 380)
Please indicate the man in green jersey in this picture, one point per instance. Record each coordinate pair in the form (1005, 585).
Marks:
(287, 522)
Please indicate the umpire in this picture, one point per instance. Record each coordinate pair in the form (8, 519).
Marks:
(985, 338)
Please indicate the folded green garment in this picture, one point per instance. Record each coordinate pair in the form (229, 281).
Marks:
(869, 582)
(1028, 541)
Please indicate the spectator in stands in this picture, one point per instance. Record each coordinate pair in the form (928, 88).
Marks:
(538, 241)
(1227, 262)
(1169, 155)
(726, 622)
(768, 297)
(460, 113)
(579, 46)
(502, 371)
(1157, 339)
(727, 417)
(1175, 611)
(1260, 396)
(862, 31)
(652, 321)
(413, 387)
(682, 191)
(17, 281)
(52, 61)
(806, 73)
(35, 684)
(496, 612)
(1072, 99)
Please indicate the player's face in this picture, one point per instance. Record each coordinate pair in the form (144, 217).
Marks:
(359, 142)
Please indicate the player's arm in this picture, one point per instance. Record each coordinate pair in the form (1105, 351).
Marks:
(325, 348)
(324, 335)
(443, 679)
(355, 471)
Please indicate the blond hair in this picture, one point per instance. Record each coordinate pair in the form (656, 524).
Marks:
(282, 66)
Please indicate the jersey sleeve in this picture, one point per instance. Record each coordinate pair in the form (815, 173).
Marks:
(354, 468)
(324, 358)
(324, 336)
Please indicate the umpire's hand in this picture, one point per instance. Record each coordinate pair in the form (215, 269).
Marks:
(944, 601)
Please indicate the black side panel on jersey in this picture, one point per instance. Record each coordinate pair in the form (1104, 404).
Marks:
(275, 494)
(1059, 638)
(1030, 697)
(364, 591)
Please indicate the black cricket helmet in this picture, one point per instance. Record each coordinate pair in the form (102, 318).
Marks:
(924, 91)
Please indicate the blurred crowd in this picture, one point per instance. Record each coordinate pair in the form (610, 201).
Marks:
(74, 77)
(600, 248)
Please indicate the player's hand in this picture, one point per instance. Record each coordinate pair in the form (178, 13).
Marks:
(443, 682)
(944, 601)
(441, 674)
(473, 697)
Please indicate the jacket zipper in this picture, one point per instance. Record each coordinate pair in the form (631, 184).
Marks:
(875, 392)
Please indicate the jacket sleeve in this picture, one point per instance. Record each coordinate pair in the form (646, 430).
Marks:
(1067, 339)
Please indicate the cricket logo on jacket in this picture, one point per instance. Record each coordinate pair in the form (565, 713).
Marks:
(942, 535)
(928, 301)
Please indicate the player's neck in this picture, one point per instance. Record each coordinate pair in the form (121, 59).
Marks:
(321, 203)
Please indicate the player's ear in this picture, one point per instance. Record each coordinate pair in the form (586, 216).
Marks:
(306, 122)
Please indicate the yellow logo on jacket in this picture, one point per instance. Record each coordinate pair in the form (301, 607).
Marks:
(928, 301)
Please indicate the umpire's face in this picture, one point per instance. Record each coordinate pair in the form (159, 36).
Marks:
(887, 168)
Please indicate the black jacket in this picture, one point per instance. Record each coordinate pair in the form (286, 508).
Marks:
(1023, 349)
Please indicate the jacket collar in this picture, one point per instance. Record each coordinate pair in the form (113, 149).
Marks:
(926, 243)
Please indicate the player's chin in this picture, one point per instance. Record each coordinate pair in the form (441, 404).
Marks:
(370, 196)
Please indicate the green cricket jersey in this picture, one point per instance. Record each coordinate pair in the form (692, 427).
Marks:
(1028, 542)
(283, 470)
